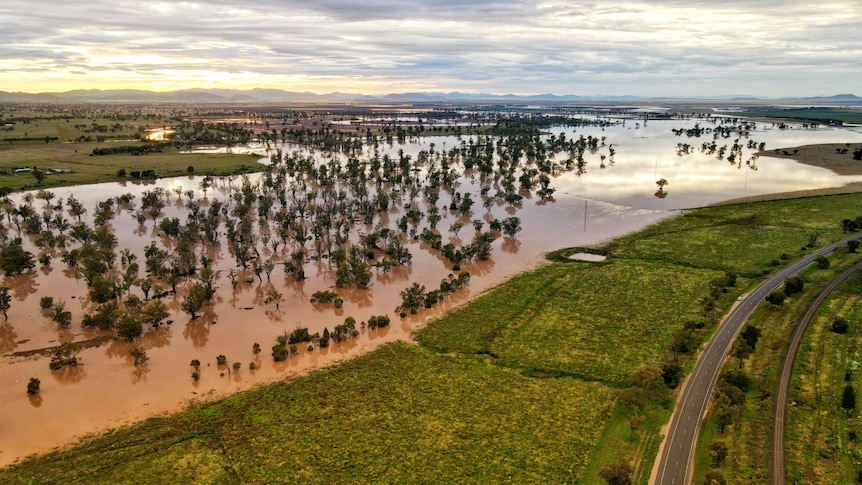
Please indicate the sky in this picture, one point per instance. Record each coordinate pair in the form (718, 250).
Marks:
(641, 47)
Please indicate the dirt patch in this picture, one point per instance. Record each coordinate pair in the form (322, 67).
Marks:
(837, 157)
(85, 344)
(851, 188)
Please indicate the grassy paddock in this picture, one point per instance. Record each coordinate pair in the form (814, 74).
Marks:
(69, 129)
(837, 157)
(22, 145)
(572, 318)
(820, 115)
(397, 415)
(748, 239)
(590, 311)
(86, 169)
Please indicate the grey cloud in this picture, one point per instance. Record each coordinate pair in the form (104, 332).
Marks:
(498, 46)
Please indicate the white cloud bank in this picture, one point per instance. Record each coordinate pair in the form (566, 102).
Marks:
(642, 47)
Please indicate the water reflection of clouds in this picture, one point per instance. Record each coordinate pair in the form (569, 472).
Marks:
(696, 179)
(704, 183)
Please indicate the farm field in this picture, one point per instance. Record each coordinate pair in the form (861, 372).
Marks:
(392, 415)
(578, 315)
(61, 145)
(810, 114)
(842, 158)
(766, 230)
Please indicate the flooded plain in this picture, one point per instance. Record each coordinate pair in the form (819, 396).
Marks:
(612, 191)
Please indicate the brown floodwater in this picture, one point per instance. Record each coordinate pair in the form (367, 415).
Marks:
(107, 390)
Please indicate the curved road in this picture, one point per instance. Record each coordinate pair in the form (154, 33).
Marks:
(782, 388)
(677, 454)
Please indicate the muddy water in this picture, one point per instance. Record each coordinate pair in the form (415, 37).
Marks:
(107, 390)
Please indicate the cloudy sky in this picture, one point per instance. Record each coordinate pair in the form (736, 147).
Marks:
(639, 47)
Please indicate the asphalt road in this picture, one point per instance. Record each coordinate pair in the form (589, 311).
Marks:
(677, 454)
(782, 388)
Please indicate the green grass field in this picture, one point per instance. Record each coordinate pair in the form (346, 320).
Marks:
(68, 154)
(73, 126)
(559, 322)
(401, 414)
(746, 238)
(86, 169)
(808, 115)
(501, 389)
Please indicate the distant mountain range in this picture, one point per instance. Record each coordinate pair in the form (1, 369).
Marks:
(282, 96)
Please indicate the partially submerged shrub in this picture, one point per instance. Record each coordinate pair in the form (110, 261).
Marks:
(66, 354)
(378, 321)
(46, 302)
(323, 296)
(34, 386)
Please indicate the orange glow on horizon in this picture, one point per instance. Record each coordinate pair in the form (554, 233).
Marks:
(34, 82)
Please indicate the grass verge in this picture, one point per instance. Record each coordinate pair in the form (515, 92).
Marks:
(749, 437)
(821, 435)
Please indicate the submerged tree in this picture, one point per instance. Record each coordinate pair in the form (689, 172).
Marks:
(14, 259)
(139, 357)
(5, 301)
(34, 386)
(66, 354)
(195, 300)
(273, 296)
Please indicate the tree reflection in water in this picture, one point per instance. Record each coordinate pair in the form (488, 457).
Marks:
(511, 245)
(8, 337)
(139, 373)
(197, 331)
(22, 286)
(69, 375)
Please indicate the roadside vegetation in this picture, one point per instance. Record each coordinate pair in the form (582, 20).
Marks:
(823, 432)
(735, 442)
